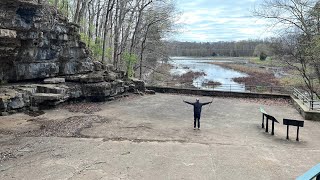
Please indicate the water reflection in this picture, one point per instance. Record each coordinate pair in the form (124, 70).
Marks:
(213, 72)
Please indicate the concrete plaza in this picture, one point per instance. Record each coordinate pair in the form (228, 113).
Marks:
(152, 137)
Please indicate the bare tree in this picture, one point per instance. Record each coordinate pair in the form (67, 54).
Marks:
(109, 9)
(118, 27)
(300, 19)
(156, 22)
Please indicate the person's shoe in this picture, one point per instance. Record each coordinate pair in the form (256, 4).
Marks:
(198, 128)
(194, 128)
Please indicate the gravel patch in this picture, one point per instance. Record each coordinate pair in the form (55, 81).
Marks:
(86, 107)
(70, 127)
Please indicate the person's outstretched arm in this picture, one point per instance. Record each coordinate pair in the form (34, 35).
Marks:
(206, 103)
(188, 102)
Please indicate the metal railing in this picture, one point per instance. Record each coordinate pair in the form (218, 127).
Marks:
(226, 87)
(311, 103)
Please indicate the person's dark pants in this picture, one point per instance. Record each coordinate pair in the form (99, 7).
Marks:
(196, 118)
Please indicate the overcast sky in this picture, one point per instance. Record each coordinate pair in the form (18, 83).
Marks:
(219, 20)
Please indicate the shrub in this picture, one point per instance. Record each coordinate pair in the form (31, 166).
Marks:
(263, 56)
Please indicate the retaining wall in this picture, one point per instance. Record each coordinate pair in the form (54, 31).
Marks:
(216, 93)
(304, 111)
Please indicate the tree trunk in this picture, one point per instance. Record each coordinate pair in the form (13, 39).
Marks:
(109, 9)
(82, 11)
(97, 22)
(56, 3)
(76, 14)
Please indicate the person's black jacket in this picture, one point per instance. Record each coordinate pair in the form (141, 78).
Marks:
(197, 106)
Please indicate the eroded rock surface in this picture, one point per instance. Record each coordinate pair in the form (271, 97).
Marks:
(39, 45)
(38, 42)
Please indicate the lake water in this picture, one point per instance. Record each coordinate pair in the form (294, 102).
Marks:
(213, 72)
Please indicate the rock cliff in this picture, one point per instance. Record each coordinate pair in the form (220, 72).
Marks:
(38, 44)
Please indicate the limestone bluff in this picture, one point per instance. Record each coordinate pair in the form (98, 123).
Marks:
(37, 42)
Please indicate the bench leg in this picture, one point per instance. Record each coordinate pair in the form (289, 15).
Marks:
(272, 131)
(288, 132)
(267, 125)
(297, 134)
(262, 120)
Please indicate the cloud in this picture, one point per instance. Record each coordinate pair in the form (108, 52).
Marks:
(219, 20)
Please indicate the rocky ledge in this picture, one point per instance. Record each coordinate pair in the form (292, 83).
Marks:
(38, 44)
(96, 86)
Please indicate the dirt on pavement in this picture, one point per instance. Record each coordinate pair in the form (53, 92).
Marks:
(152, 137)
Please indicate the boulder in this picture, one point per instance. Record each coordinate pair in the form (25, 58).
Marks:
(139, 84)
(16, 103)
(98, 66)
(10, 99)
(97, 91)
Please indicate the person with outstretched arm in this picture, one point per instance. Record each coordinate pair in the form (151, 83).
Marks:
(197, 106)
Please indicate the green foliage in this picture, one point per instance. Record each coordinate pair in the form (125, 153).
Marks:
(108, 52)
(130, 60)
(96, 48)
(263, 56)
(62, 6)
(262, 51)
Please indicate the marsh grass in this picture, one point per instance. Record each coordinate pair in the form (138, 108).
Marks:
(257, 76)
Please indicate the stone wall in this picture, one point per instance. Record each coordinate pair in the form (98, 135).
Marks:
(37, 42)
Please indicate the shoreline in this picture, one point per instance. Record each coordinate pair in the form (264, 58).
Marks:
(258, 74)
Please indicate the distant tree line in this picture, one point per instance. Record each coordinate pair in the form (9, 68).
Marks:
(231, 49)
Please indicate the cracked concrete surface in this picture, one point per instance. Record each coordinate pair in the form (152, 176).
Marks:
(151, 137)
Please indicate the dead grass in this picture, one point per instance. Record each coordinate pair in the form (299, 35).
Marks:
(162, 76)
(188, 77)
(257, 76)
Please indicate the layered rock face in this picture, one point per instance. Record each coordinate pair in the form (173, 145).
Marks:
(37, 42)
